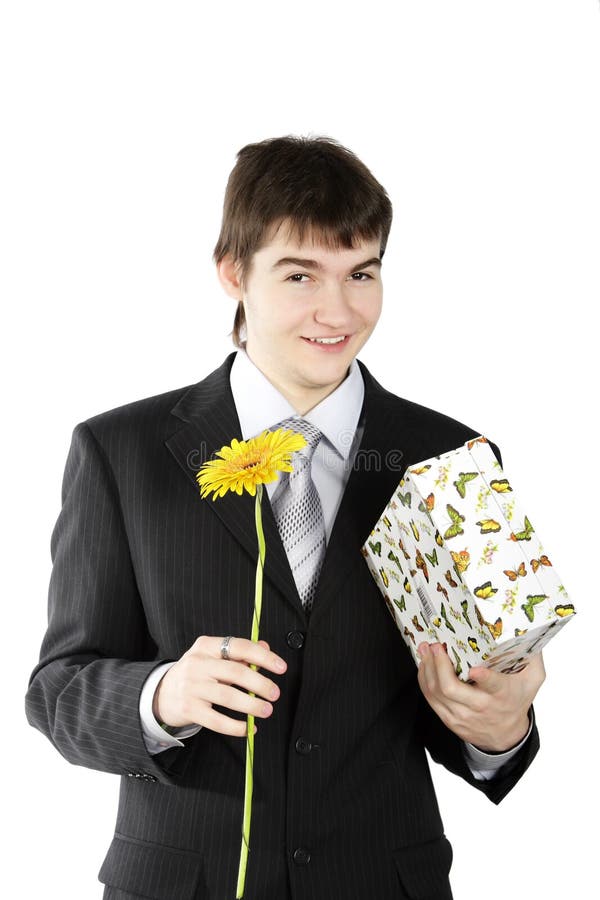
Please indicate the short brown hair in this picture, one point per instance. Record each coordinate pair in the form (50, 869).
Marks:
(315, 184)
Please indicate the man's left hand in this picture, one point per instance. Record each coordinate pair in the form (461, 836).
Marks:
(490, 713)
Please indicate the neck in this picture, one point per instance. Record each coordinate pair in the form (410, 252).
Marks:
(302, 400)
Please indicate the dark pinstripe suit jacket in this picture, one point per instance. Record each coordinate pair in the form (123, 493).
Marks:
(344, 807)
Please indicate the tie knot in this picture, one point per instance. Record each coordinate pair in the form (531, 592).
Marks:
(308, 431)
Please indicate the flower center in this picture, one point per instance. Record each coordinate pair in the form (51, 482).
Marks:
(251, 461)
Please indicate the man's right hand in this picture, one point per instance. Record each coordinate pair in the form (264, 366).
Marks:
(187, 691)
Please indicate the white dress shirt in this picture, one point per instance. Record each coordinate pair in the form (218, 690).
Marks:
(261, 406)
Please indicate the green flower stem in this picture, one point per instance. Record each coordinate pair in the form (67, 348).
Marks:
(250, 729)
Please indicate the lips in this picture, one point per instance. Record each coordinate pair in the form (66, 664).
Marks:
(336, 339)
(329, 347)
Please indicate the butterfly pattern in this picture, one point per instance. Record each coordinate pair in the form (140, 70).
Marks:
(513, 574)
(432, 573)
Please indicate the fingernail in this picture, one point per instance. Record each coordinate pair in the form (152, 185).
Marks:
(267, 709)
(280, 665)
(423, 649)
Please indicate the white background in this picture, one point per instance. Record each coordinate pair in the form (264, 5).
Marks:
(121, 122)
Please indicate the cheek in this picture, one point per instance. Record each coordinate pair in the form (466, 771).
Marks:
(275, 310)
(287, 315)
(376, 314)
(371, 311)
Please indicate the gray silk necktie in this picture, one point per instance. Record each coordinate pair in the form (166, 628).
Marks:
(299, 514)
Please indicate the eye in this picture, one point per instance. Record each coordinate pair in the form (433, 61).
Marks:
(364, 274)
(296, 275)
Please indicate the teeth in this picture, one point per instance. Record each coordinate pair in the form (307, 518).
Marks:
(328, 340)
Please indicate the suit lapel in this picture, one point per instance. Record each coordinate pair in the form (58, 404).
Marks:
(210, 421)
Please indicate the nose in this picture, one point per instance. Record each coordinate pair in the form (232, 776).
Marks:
(333, 308)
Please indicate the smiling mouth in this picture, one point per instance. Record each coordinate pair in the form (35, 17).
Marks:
(331, 340)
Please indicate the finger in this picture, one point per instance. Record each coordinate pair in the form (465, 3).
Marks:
(427, 673)
(428, 667)
(488, 680)
(449, 685)
(423, 649)
(216, 721)
(536, 667)
(236, 673)
(238, 701)
(429, 682)
(250, 652)
(492, 681)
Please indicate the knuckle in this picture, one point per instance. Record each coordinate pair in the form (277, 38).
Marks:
(466, 720)
(185, 668)
(450, 692)
(260, 684)
(201, 642)
(264, 686)
(222, 694)
(237, 672)
(480, 707)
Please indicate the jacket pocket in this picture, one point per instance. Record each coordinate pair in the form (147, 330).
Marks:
(153, 870)
(423, 869)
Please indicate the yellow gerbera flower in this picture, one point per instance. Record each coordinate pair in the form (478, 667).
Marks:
(245, 464)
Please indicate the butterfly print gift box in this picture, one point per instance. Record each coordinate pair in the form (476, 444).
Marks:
(458, 562)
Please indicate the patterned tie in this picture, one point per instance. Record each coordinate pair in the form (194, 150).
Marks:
(299, 515)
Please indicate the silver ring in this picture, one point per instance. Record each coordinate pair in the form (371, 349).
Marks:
(225, 647)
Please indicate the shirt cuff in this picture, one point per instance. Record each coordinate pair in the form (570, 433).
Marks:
(155, 737)
(484, 766)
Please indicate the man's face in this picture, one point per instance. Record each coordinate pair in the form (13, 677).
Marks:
(298, 292)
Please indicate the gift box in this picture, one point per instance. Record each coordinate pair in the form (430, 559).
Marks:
(459, 562)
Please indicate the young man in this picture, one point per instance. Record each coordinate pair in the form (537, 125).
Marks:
(135, 676)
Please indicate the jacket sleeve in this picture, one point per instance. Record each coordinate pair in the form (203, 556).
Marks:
(97, 651)
(447, 748)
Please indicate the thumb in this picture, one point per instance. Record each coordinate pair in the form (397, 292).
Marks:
(486, 679)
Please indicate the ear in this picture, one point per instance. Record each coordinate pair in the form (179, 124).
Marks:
(228, 276)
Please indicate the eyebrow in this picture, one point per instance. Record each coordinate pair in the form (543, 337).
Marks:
(315, 264)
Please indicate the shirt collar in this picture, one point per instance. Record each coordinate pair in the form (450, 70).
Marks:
(261, 406)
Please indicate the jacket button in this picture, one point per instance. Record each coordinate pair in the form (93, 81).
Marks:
(303, 746)
(295, 639)
(301, 856)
